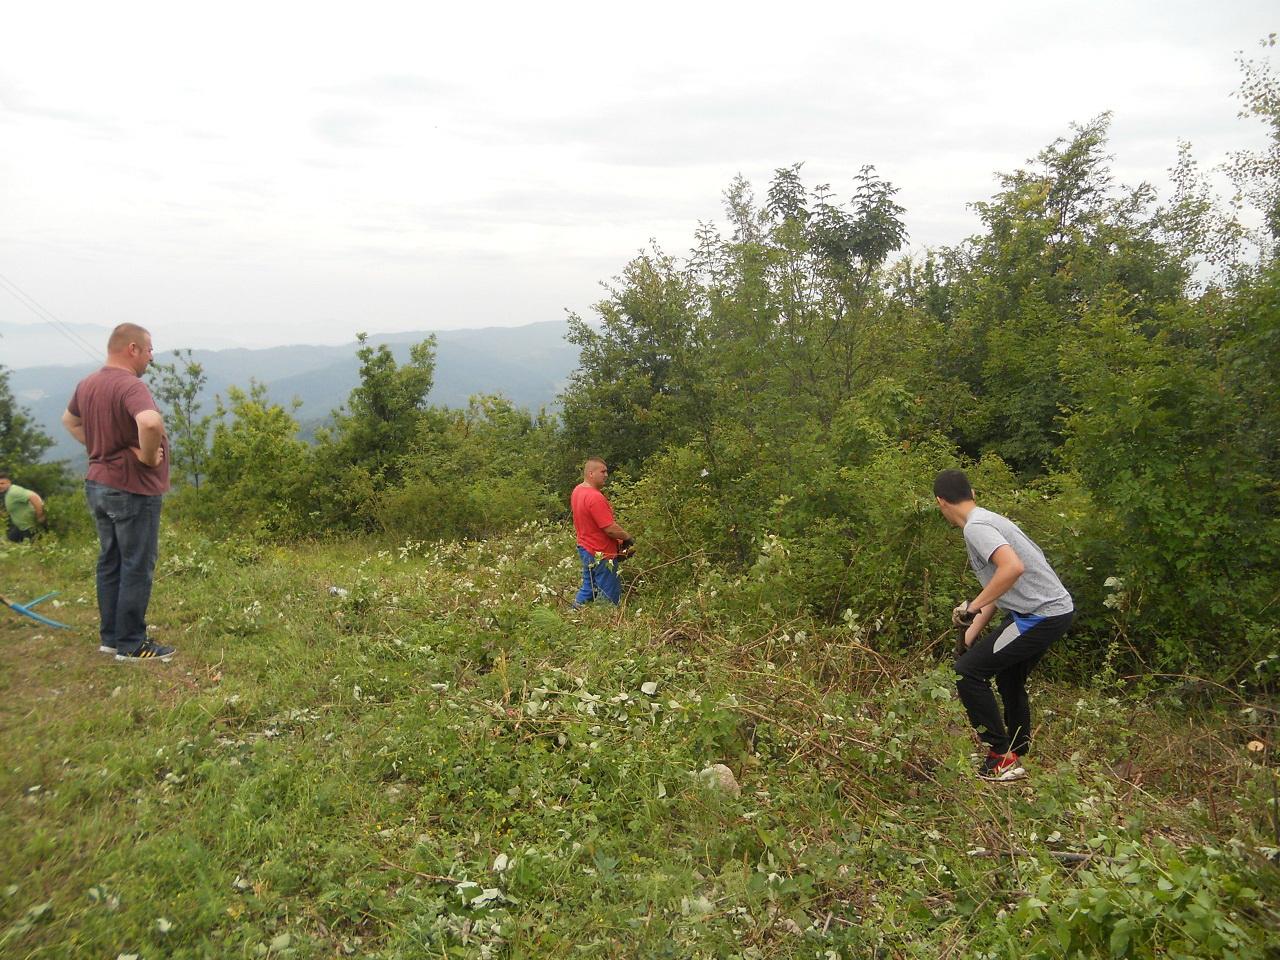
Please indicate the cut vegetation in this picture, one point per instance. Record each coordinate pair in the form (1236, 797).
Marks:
(440, 759)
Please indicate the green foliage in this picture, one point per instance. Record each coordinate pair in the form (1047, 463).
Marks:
(473, 473)
(860, 539)
(637, 380)
(1183, 516)
(257, 467)
(446, 761)
(1249, 356)
(1059, 236)
(383, 410)
(775, 404)
(1256, 174)
(177, 389)
(363, 454)
(1151, 901)
(727, 375)
(762, 332)
(782, 402)
(22, 444)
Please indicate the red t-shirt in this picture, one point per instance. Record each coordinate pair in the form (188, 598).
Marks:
(107, 403)
(591, 514)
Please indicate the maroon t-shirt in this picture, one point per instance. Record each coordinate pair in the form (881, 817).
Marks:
(107, 403)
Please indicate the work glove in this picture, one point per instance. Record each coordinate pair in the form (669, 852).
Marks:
(962, 616)
(626, 548)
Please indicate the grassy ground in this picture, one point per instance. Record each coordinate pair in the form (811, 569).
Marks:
(439, 759)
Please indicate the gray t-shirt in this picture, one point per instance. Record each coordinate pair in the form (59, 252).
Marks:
(1038, 592)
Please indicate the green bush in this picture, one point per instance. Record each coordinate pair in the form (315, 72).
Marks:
(1182, 526)
(1149, 901)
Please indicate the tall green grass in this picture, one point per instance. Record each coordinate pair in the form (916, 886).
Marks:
(421, 751)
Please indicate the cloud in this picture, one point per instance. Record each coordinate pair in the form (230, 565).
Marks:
(15, 100)
(346, 127)
(675, 129)
(769, 124)
(394, 88)
(548, 205)
(246, 186)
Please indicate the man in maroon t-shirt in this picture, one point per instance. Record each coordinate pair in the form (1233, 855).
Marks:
(599, 536)
(113, 414)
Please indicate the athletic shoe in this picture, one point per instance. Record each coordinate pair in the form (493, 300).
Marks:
(1001, 767)
(150, 650)
(106, 648)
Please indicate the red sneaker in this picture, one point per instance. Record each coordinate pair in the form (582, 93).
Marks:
(1001, 767)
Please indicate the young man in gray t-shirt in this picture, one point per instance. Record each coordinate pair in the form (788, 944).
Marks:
(1018, 581)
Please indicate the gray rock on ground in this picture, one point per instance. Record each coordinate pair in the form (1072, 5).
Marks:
(719, 777)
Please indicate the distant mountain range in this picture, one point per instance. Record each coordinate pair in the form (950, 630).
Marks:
(529, 365)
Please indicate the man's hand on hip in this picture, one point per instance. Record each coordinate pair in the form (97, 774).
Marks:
(137, 452)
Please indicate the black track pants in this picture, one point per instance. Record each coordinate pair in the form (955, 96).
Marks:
(1007, 653)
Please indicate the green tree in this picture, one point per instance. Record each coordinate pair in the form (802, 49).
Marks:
(178, 386)
(258, 471)
(784, 318)
(362, 454)
(474, 473)
(1256, 173)
(1060, 236)
(1181, 514)
(1249, 354)
(23, 445)
(639, 374)
(1205, 233)
(382, 412)
(744, 355)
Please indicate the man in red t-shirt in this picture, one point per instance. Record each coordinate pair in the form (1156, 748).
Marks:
(114, 415)
(599, 536)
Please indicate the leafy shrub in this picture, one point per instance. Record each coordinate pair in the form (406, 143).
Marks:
(1180, 513)
(1152, 901)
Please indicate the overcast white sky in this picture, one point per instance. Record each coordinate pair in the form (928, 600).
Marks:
(275, 172)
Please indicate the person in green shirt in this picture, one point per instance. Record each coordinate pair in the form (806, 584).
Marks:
(24, 507)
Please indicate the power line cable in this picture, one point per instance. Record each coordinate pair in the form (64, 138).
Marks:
(48, 317)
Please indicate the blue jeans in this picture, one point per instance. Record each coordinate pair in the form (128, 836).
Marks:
(599, 578)
(129, 535)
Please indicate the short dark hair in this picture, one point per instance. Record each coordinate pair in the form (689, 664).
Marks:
(952, 486)
(5, 475)
(125, 334)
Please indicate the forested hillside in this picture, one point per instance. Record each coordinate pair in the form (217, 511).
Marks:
(528, 365)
